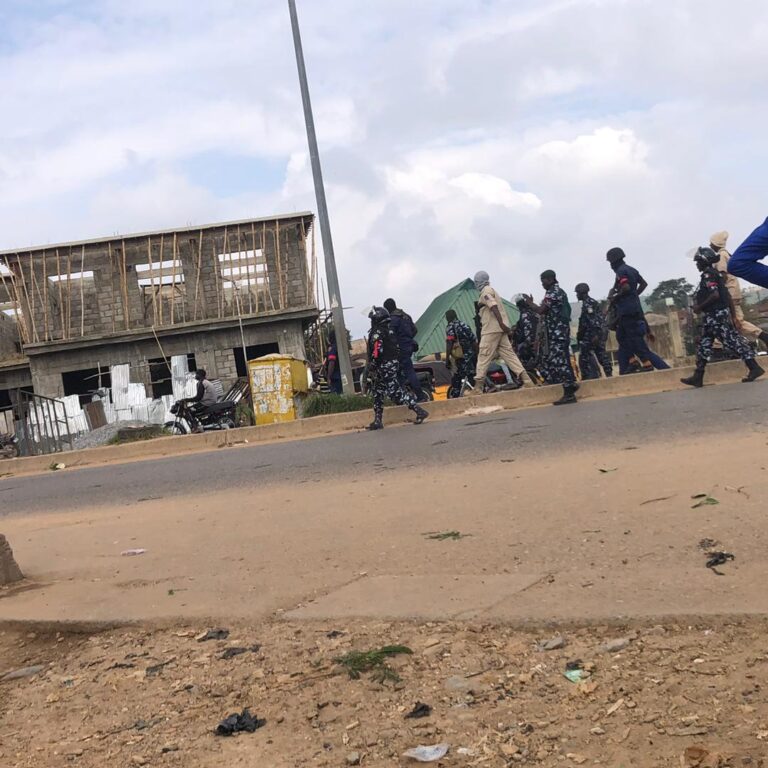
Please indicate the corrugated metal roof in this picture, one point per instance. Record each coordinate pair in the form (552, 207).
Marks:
(178, 231)
(461, 298)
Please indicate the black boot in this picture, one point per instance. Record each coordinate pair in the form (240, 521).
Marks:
(755, 371)
(375, 424)
(421, 415)
(569, 395)
(697, 380)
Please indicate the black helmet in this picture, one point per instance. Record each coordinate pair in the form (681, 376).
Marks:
(705, 253)
(378, 316)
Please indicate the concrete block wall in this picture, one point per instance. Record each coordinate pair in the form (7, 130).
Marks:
(113, 302)
(13, 378)
(9, 337)
(212, 348)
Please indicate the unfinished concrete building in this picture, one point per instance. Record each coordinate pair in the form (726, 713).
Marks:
(221, 294)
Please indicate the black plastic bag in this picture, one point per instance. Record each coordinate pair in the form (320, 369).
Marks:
(237, 723)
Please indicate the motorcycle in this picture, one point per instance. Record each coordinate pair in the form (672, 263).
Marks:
(9, 446)
(222, 415)
(498, 378)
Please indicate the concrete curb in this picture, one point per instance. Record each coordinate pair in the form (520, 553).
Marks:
(321, 426)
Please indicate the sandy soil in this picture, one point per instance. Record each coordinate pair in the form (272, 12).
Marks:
(101, 700)
(551, 538)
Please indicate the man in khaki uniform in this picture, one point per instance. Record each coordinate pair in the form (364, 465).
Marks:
(718, 241)
(494, 338)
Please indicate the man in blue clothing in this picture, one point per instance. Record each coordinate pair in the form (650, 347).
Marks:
(405, 332)
(744, 262)
(630, 325)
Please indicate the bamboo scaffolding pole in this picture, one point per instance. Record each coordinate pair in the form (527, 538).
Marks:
(307, 287)
(252, 286)
(199, 267)
(20, 306)
(34, 286)
(61, 294)
(152, 281)
(112, 282)
(160, 347)
(45, 296)
(124, 277)
(276, 237)
(173, 280)
(228, 256)
(31, 294)
(182, 281)
(69, 292)
(242, 248)
(239, 308)
(217, 275)
(160, 287)
(269, 275)
(82, 292)
(256, 273)
(31, 327)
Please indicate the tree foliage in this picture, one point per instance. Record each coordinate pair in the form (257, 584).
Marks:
(677, 289)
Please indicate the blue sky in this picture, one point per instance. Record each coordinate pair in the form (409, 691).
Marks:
(504, 135)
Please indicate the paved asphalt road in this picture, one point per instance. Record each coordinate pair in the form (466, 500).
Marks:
(621, 422)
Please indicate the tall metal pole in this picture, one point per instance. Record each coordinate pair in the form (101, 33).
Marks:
(332, 276)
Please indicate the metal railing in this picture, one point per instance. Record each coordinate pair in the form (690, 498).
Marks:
(40, 423)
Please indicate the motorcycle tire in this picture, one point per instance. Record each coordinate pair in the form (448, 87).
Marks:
(10, 452)
(175, 428)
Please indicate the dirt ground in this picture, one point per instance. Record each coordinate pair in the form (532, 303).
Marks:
(595, 546)
(675, 695)
(593, 535)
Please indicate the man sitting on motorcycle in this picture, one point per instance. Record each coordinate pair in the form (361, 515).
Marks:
(204, 399)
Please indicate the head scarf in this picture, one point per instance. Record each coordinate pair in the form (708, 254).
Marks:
(719, 240)
(481, 280)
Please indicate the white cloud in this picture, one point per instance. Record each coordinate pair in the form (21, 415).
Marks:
(510, 135)
(492, 190)
(603, 152)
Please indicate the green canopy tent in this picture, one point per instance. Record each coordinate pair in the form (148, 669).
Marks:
(461, 298)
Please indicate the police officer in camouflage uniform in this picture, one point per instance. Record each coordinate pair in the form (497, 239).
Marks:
(713, 304)
(460, 352)
(555, 344)
(383, 369)
(591, 336)
(524, 336)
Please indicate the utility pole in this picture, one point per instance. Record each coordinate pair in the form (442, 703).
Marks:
(337, 311)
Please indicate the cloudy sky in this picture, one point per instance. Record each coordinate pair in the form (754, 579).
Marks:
(456, 135)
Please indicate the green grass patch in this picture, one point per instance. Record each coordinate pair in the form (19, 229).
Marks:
(445, 535)
(375, 662)
(135, 435)
(318, 404)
